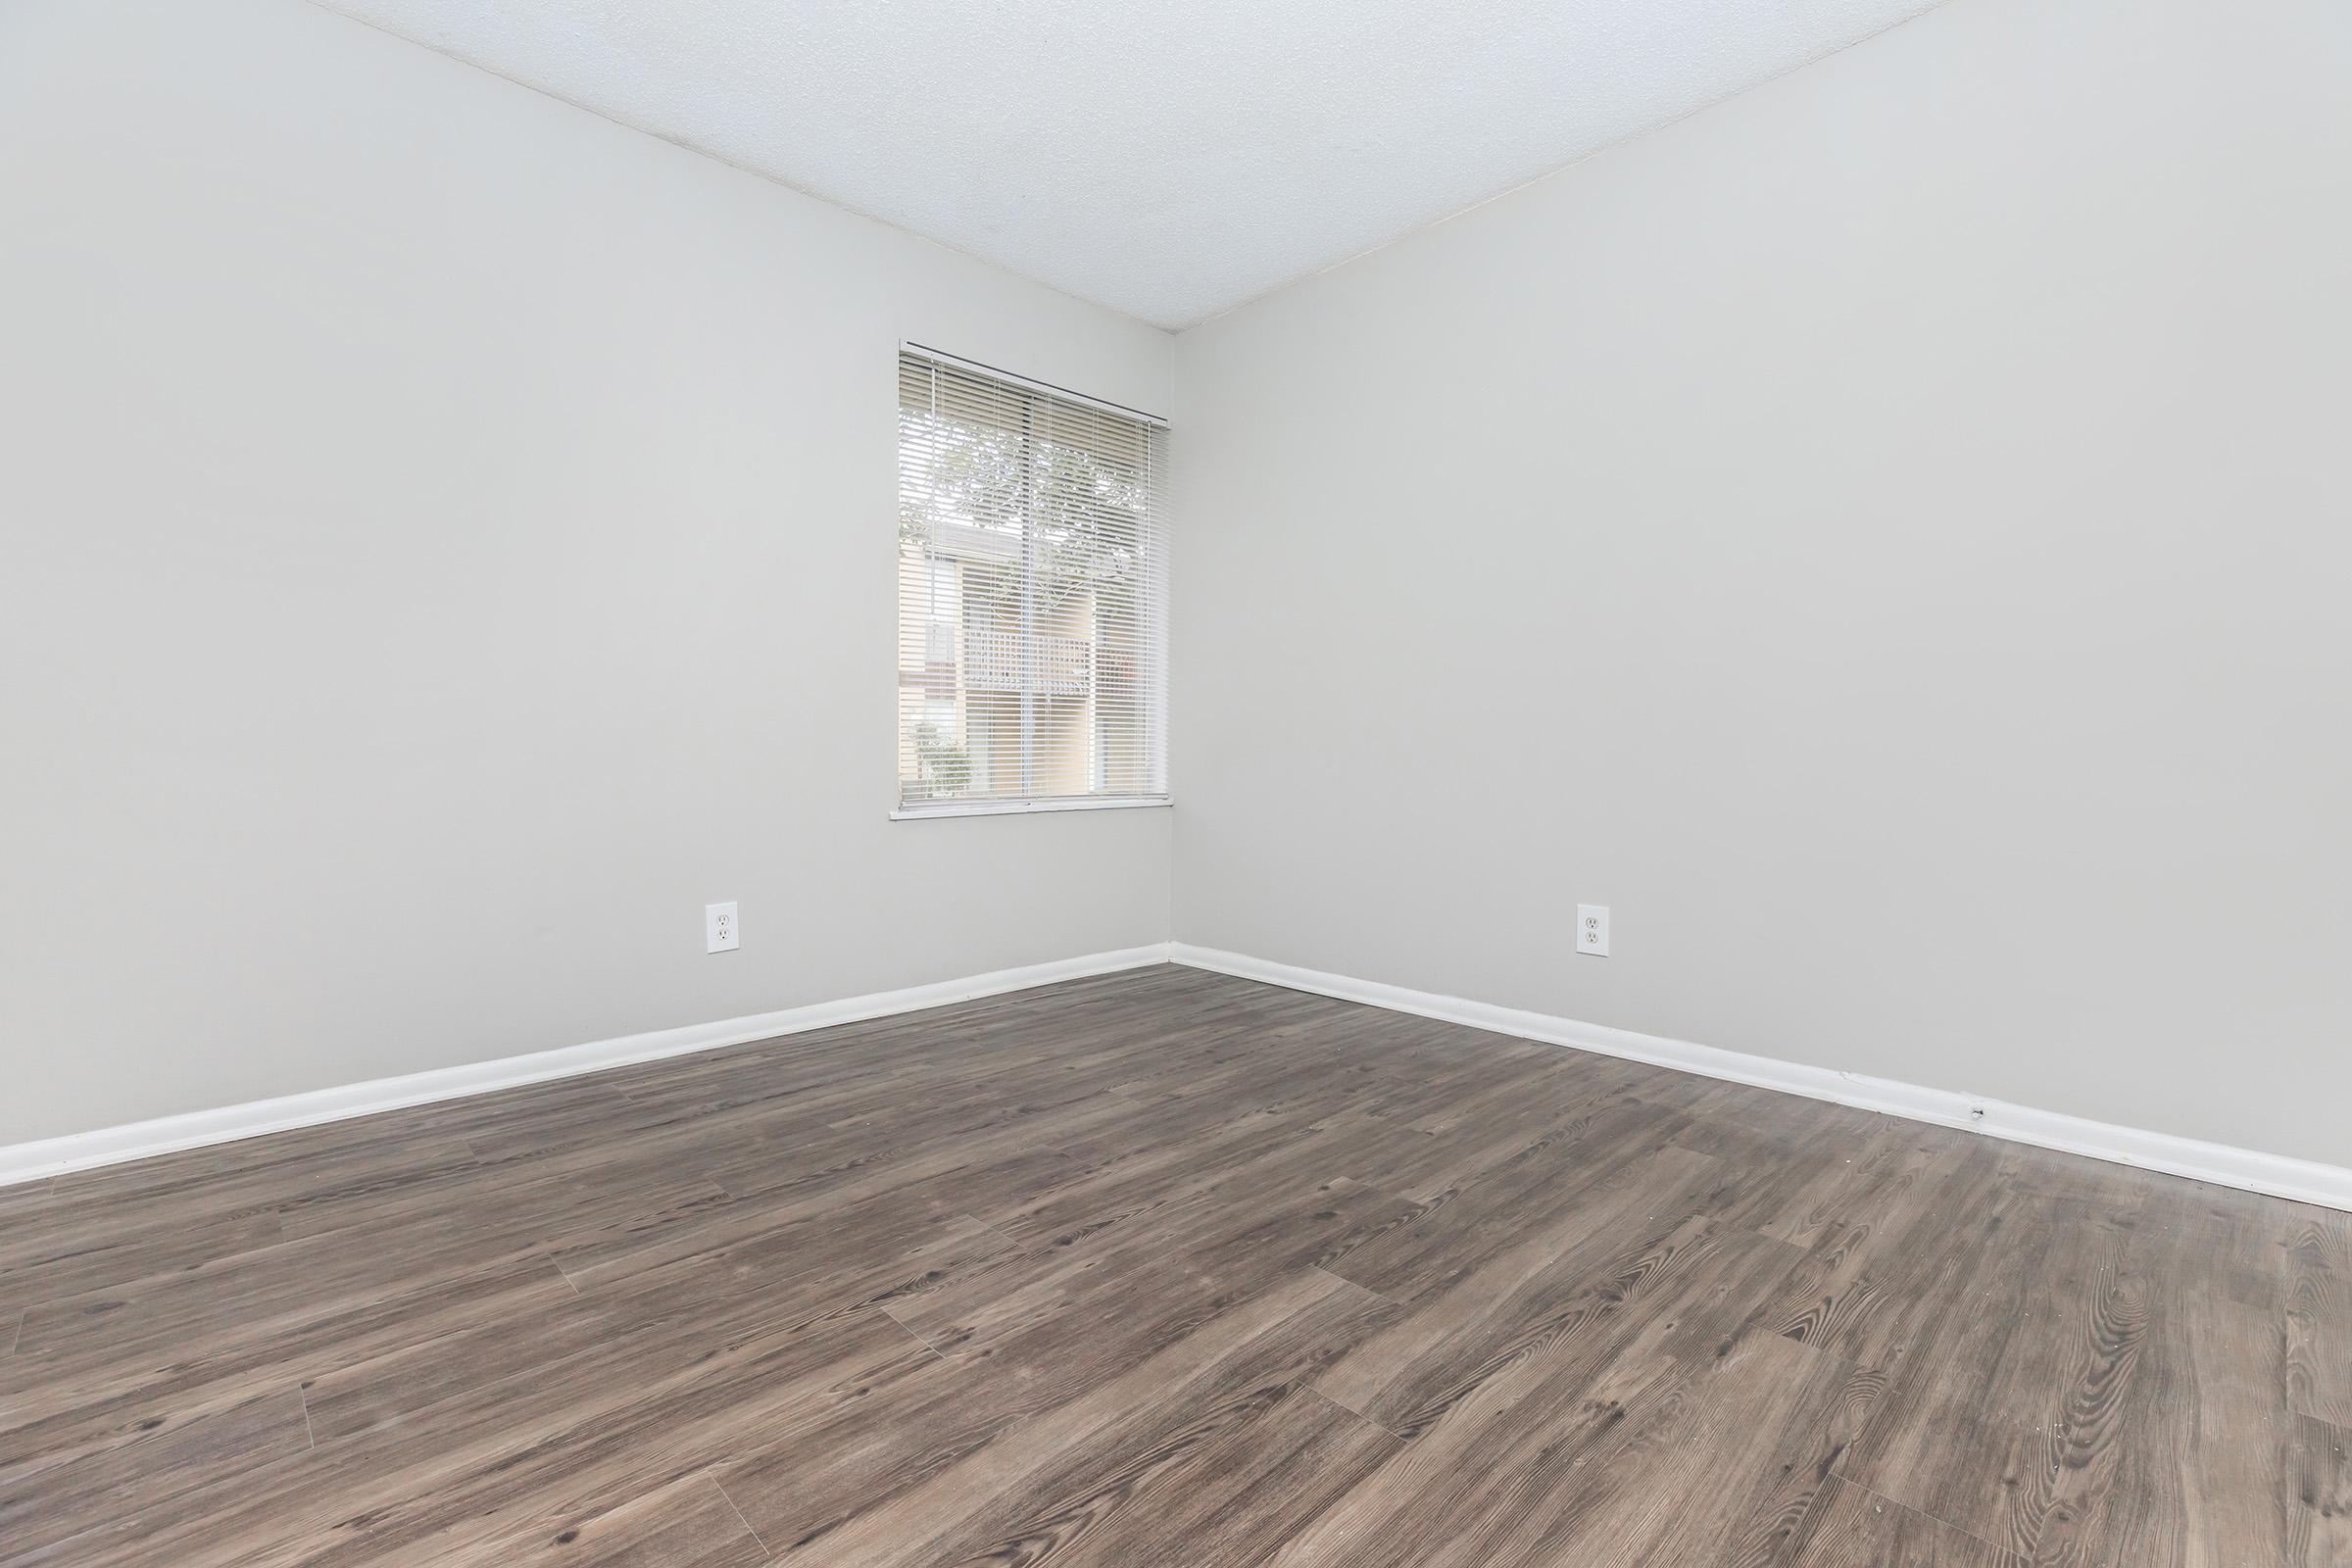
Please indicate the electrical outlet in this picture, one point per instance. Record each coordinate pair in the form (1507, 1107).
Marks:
(1593, 930)
(720, 931)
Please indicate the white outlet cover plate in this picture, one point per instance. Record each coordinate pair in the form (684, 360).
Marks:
(1593, 930)
(721, 932)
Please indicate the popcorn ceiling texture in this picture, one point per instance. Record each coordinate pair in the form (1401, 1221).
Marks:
(1168, 161)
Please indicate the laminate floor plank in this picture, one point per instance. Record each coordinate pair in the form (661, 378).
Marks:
(2318, 1319)
(1052, 1477)
(687, 1524)
(1635, 1439)
(1874, 1234)
(56, 1404)
(1554, 1187)
(2319, 1500)
(1855, 1528)
(272, 1288)
(1879, 1287)
(1164, 1269)
(1435, 1164)
(2178, 1458)
(68, 1254)
(2003, 1424)
(1743, 1435)
(1151, 1175)
(840, 1251)
(44, 1510)
(1643, 1250)
(1877, 1182)
(1235, 1500)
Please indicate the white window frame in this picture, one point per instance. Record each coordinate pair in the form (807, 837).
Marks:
(1158, 710)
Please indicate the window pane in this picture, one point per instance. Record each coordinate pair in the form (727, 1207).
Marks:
(1032, 590)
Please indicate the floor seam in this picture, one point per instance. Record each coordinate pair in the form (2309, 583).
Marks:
(999, 1232)
(1305, 1386)
(1326, 1268)
(1897, 1503)
(736, 1508)
(884, 1309)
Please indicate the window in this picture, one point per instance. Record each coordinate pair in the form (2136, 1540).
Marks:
(1032, 596)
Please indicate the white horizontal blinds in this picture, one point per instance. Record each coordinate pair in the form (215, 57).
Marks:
(1032, 593)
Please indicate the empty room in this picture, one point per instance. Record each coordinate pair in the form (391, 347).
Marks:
(894, 784)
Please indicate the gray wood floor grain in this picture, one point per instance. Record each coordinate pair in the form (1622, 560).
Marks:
(1165, 1268)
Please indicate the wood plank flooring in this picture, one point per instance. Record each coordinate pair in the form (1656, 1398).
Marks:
(1165, 1268)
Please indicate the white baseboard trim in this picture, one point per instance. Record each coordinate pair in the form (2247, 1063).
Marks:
(2302, 1180)
(110, 1146)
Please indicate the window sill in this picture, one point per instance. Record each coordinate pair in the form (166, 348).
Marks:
(1079, 802)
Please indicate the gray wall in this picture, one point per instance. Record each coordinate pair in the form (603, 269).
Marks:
(1885, 536)
(445, 540)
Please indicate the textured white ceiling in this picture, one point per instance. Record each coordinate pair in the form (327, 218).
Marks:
(1169, 160)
